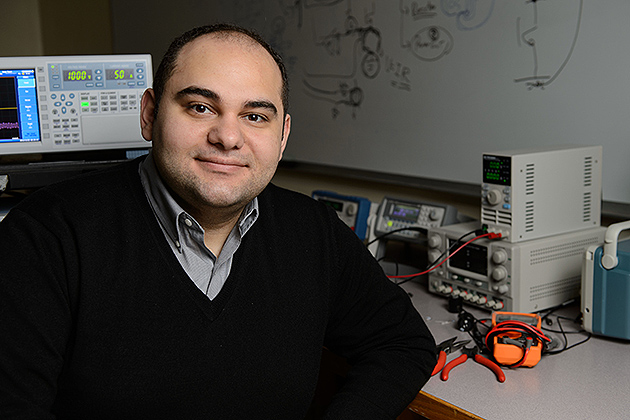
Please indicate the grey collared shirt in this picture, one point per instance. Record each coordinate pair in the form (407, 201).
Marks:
(186, 236)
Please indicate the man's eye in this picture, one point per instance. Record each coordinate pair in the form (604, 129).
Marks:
(256, 118)
(200, 109)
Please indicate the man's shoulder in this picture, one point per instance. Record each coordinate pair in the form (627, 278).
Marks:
(289, 210)
(281, 198)
(91, 188)
(277, 192)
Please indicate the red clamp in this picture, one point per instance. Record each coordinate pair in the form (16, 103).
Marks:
(474, 352)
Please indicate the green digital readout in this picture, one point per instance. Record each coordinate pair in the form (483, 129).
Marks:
(497, 169)
(119, 74)
(77, 75)
(334, 204)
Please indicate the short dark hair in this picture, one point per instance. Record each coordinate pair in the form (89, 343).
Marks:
(167, 65)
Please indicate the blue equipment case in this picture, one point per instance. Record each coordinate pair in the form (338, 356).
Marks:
(354, 211)
(606, 291)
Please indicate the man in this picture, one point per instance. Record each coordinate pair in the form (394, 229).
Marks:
(183, 286)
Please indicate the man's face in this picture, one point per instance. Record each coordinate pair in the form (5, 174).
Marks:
(220, 130)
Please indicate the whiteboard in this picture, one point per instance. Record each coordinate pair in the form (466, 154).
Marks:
(423, 88)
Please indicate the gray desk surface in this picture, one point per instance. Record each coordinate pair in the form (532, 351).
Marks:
(590, 381)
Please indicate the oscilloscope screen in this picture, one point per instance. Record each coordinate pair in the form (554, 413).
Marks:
(19, 119)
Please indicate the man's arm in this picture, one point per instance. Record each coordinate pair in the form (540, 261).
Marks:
(34, 318)
(375, 326)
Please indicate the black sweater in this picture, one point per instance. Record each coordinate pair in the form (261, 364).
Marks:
(99, 321)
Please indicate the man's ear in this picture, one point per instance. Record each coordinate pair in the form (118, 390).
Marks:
(147, 114)
(286, 130)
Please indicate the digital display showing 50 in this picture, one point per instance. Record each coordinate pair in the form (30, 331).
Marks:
(119, 74)
(77, 75)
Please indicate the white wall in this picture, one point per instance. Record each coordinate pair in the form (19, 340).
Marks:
(21, 31)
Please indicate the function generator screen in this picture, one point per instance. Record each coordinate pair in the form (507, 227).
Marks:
(404, 213)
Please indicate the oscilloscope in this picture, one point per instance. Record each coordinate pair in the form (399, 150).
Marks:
(69, 104)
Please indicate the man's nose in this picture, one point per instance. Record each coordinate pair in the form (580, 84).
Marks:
(226, 133)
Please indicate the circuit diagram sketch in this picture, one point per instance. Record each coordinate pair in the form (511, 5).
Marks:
(468, 14)
(432, 42)
(343, 95)
(419, 34)
(358, 43)
(343, 52)
(531, 37)
(428, 43)
(423, 11)
(365, 52)
(276, 36)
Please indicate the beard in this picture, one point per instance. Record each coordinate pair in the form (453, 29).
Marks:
(198, 189)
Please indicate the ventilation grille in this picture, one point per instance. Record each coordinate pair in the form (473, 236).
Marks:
(553, 253)
(529, 179)
(529, 216)
(588, 196)
(569, 287)
(496, 217)
(588, 171)
(588, 201)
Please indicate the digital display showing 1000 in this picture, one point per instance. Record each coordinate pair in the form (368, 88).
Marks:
(77, 75)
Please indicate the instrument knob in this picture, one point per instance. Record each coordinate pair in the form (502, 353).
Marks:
(499, 273)
(494, 197)
(435, 240)
(433, 255)
(499, 256)
(351, 209)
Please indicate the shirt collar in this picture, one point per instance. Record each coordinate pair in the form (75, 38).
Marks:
(167, 210)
